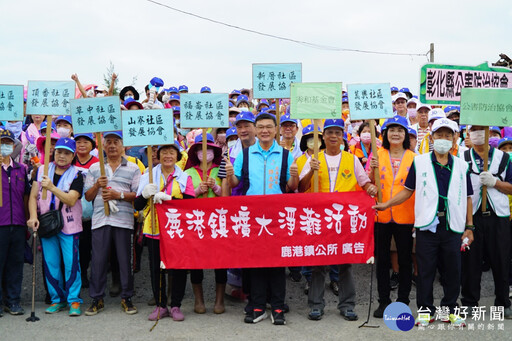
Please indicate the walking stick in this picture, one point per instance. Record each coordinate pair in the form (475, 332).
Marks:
(365, 323)
(33, 317)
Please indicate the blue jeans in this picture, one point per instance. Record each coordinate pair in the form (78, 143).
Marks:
(65, 247)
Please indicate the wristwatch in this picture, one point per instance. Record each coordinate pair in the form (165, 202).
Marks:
(122, 196)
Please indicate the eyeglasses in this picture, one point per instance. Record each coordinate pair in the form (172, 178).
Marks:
(332, 132)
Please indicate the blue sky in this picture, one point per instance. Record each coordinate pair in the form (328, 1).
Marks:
(50, 40)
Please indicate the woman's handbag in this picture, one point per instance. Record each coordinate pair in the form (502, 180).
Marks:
(50, 223)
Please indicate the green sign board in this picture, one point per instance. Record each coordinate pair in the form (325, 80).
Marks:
(315, 100)
(443, 84)
(486, 107)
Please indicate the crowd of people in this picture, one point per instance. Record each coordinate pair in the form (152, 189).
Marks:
(430, 220)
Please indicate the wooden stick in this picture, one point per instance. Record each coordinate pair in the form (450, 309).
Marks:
(486, 168)
(102, 167)
(151, 203)
(315, 153)
(376, 173)
(278, 121)
(47, 146)
(1, 171)
(204, 164)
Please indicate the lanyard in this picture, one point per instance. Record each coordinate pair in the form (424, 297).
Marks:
(365, 153)
(329, 172)
(170, 180)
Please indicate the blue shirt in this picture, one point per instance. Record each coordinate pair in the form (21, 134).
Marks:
(264, 169)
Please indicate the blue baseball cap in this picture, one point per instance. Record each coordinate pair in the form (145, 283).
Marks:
(182, 88)
(330, 123)
(130, 101)
(176, 109)
(206, 89)
(287, 118)
(63, 118)
(7, 134)
(66, 143)
(406, 91)
(245, 116)
(271, 108)
(394, 88)
(309, 130)
(230, 104)
(234, 92)
(156, 82)
(113, 133)
(504, 141)
(344, 99)
(262, 102)
(173, 90)
(43, 126)
(174, 98)
(397, 120)
(412, 131)
(89, 136)
(231, 132)
(242, 99)
(199, 138)
(496, 129)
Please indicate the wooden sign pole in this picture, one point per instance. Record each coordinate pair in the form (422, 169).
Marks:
(102, 167)
(315, 153)
(278, 121)
(374, 152)
(1, 171)
(151, 203)
(47, 145)
(204, 164)
(486, 168)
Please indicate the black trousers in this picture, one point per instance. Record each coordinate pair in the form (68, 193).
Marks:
(85, 247)
(179, 283)
(403, 240)
(158, 278)
(197, 276)
(493, 235)
(430, 247)
(266, 281)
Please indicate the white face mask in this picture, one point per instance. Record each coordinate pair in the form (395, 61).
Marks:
(366, 137)
(209, 155)
(477, 137)
(100, 94)
(128, 96)
(412, 113)
(63, 132)
(442, 146)
(311, 143)
(231, 143)
(6, 149)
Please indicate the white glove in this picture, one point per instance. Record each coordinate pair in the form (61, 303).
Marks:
(487, 179)
(147, 106)
(149, 190)
(161, 196)
(112, 204)
(165, 98)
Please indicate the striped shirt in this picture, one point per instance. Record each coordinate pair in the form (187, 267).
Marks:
(124, 179)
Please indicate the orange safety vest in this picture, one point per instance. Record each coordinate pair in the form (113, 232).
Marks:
(391, 185)
(345, 180)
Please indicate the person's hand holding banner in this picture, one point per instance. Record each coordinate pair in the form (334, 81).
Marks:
(161, 197)
(149, 190)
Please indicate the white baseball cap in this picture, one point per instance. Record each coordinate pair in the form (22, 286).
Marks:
(445, 123)
(399, 95)
(436, 114)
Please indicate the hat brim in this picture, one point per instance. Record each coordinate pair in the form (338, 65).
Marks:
(193, 160)
(304, 141)
(124, 90)
(139, 105)
(65, 147)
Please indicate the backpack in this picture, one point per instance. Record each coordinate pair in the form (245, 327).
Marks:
(503, 163)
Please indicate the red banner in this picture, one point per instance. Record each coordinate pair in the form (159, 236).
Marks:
(266, 230)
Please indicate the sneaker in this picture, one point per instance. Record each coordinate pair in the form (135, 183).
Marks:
(14, 309)
(55, 308)
(349, 315)
(315, 314)
(127, 306)
(423, 320)
(334, 287)
(306, 287)
(393, 281)
(277, 317)
(508, 313)
(457, 321)
(176, 314)
(379, 312)
(256, 316)
(158, 313)
(96, 307)
(295, 276)
(74, 309)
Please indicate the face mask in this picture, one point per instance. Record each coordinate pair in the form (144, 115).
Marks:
(209, 155)
(6, 149)
(366, 137)
(231, 143)
(477, 137)
(90, 93)
(442, 146)
(128, 96)
(100, 94)
(493, 141)
(177, 121)
(15, 128)
(184, 132)
(63, 132)
(244, 108)
(311, 143)
(221, 139)
(232, 120)
(412, 113)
